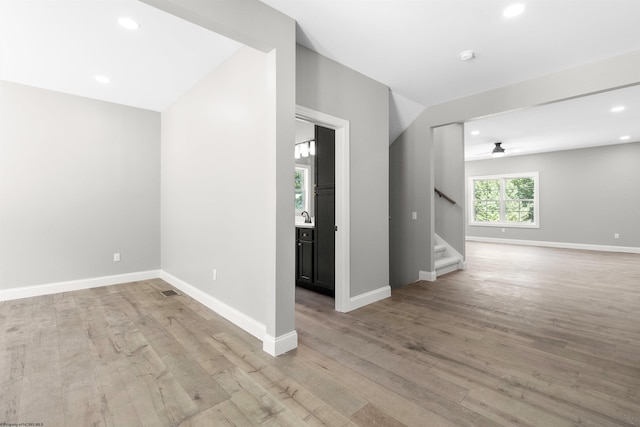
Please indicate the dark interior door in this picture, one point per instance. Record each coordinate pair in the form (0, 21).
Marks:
(325, 206)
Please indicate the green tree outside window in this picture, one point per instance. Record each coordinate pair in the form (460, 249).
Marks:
(505, 200)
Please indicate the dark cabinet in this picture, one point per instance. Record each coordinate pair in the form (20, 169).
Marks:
(315, 247)
(304, 256)
(324, 193)
(306, 261)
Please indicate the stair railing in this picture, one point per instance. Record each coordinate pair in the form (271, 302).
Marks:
(447, 198)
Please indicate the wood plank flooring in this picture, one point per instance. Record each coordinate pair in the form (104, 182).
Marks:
(525, 336)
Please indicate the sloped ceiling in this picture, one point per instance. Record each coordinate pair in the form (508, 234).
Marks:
(413, 46)
(61, 45)
(410, 45)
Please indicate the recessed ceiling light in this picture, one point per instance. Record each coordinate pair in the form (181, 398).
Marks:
(624, 138)
(617, 109)
(475, 132)
(102, 79)
(467, 55)
(128, 23)
(513, 10)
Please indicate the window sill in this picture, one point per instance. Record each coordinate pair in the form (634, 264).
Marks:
(503, 225)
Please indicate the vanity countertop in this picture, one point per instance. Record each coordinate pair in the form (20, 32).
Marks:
(305, 224)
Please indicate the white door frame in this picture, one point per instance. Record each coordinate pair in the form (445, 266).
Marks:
(343, 254)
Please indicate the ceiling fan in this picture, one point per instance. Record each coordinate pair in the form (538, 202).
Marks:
(498, 151)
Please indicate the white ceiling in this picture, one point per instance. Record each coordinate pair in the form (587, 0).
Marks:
(61, 44)
(413, 45)
(577, 123)
(410, 45)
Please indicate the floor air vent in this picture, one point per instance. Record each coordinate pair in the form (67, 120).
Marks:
(169, 293)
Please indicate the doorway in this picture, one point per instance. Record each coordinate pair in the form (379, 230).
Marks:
(342, 254)
(315, 207)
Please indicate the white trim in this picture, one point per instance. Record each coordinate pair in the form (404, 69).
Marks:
(429, 276)
(275, 346)
(272, 345)
(368, 298)
(503, 225)
(236, 317)
(343, 252)
(441, 271)
(75, 285)
(562, 245)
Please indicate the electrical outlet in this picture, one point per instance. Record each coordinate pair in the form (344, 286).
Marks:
(616, 236)
(414, 215)
(215, 274)
(116, 257)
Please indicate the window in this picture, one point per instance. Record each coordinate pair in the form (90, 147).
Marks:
(504, 200)
(302, 189)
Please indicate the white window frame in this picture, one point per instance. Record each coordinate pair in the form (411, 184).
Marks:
(307, 170)
(505, 224)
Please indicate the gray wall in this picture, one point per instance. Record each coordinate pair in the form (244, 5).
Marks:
(586, 195)
(326, 86)
(259, 26)
(411, 185)
(216, 186)
(79, 180)
(415, 180)
(448, 155)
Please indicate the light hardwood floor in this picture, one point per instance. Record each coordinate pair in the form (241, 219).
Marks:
(525, 336)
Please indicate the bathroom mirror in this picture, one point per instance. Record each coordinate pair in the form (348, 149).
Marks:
(304, 154)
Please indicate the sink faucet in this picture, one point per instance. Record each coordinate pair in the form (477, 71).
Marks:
(307, 218)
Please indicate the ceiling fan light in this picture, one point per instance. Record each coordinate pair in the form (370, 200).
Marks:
(498, 151)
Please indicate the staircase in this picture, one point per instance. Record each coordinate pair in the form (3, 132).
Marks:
(447, 259)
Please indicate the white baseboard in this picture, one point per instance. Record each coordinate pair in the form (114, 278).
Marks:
(234, 316)
(441, 271)
(562, 245)
(272, 345)
(429, 276)
(368, 298)
(276, 346)
(75, 285)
